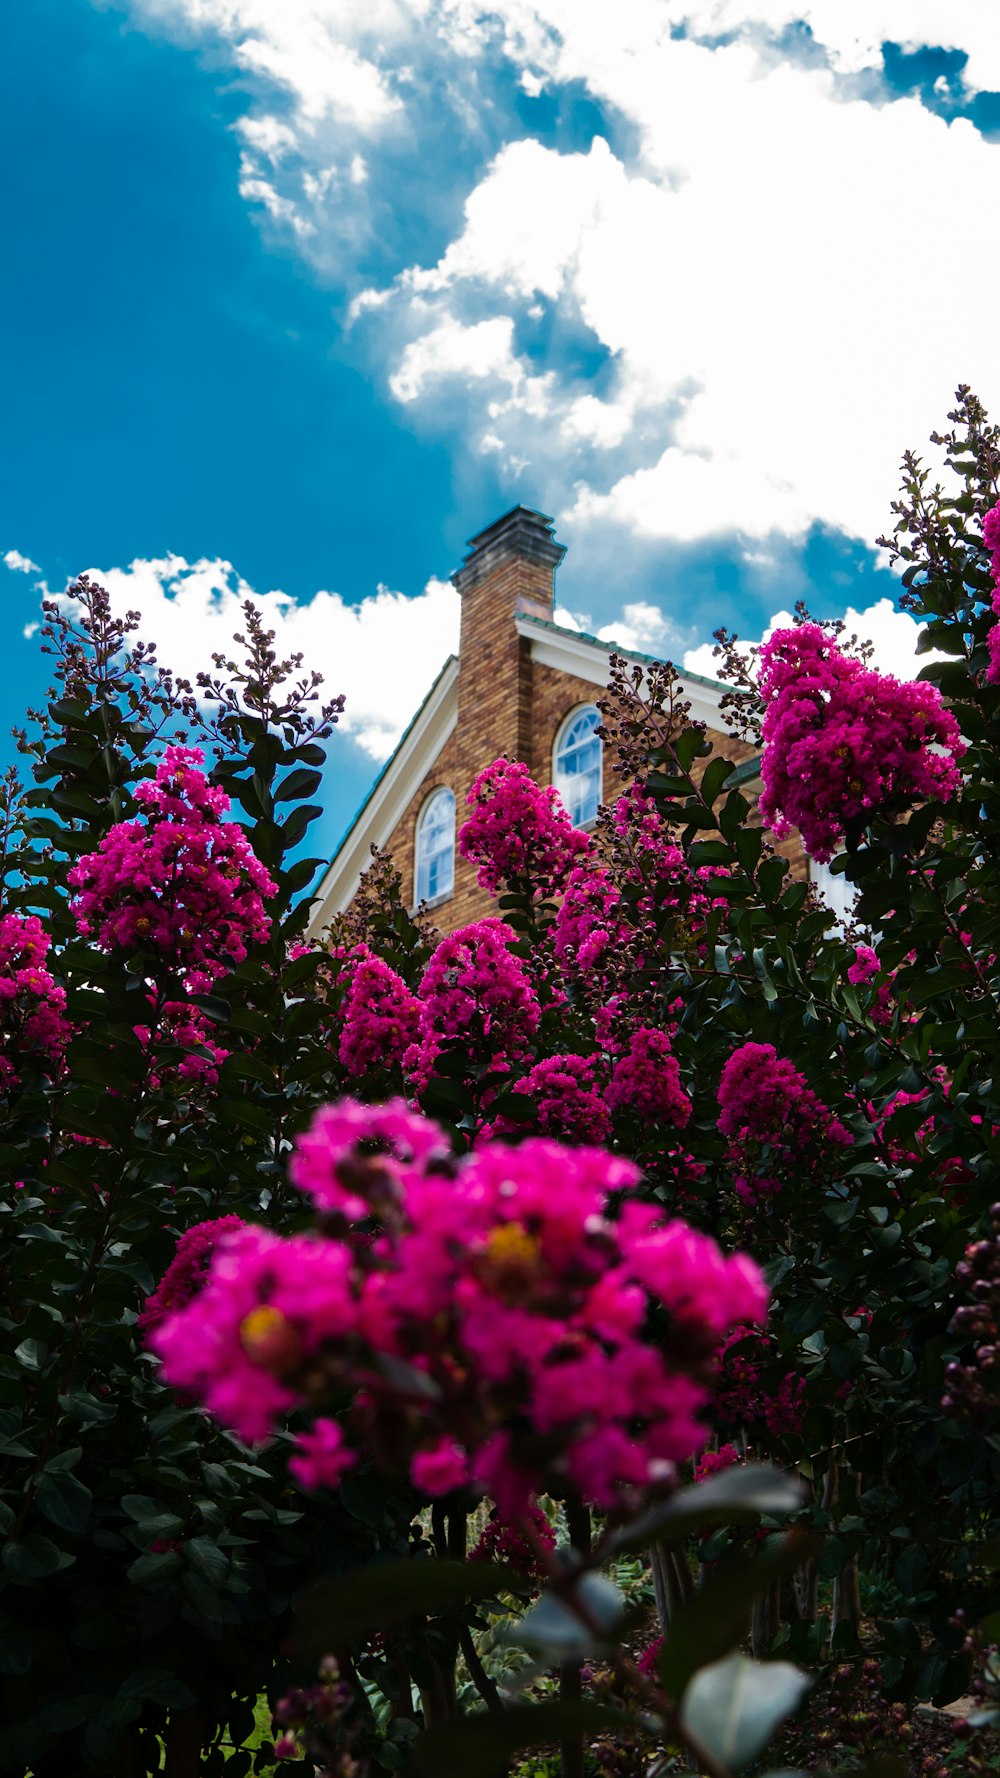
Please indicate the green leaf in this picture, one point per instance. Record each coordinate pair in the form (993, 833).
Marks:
(736, 1496)
(140, 1507)
(15, 1647)
(302, 782)
(363, 1600)
(714, 777)
(65, 1502)
(718, 1617)
(732, 1708)
(552, 1629)
(748, 845)
(486, 1745)
(294, 829)
(33, 1558)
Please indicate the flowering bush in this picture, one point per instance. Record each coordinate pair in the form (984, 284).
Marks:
(33, 1023)
(843, 743)
(519, 832)
(498, 1314)
(490, 1333)
(182, 885)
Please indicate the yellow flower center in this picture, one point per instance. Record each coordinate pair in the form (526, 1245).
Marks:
(269, 1339)
(510, 1260)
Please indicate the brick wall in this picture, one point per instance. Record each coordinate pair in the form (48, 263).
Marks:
(509, 703)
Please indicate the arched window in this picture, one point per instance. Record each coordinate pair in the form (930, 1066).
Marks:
(576, 769)
(435, 872)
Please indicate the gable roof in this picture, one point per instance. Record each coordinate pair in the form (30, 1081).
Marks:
(390, 795)
(587, 657)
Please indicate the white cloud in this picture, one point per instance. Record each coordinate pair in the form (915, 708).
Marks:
(451, 350)
(643, 627)
(19, 564)
(893, 633)
(383, 653)
(748, 265)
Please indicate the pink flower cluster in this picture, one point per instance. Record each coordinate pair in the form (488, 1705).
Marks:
(183, 883)
(187, 1271)
(842, 742)
(380, 1017)
(991, 538)
(33, 1019)
(714, 1462)
(518, 832)
(772, 1119)
(743, 1394)
(568, 1101)
(589, 923)
(866, 971)
(646, 1081)
(489, 1334)
(498, 1542)
(474, 994)
(184, 1027)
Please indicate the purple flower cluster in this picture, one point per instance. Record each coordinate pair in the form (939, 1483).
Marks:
(183, 883)
(842, 742)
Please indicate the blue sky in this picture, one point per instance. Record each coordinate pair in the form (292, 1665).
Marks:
(299, 294)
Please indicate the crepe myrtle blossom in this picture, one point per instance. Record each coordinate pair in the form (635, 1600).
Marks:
(518, 832)
(646, 1080)
(33, 1023)
(474, 993)
(772, 1119)
(380, 1016)
(490, 1332)
(187, 1271)
(569, 1104)
(842, 742)
(181, 883)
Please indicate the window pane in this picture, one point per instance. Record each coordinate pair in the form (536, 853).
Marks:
(578, 767)
(436, 847)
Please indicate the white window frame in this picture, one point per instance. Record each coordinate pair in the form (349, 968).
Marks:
(559, 779)
(839, 894)
(423, 863)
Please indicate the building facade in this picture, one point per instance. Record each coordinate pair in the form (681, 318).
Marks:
(521, 686)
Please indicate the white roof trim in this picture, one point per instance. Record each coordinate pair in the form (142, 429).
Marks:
(389, 800)
(567, 652)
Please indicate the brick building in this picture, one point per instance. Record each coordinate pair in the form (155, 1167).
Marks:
(521, 685)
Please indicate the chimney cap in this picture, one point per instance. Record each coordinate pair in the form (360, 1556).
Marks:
(521, 532)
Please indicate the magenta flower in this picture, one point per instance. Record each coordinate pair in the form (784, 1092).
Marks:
(322, 1457)
(646, 1081)
(489, 1331)
(518, 832)
(33, 1023)
(773, 1119)
(380, 1016)
(842, 742)
(474, 994)
(182, 884)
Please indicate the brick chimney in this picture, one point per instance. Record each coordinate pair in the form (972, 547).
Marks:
(510, 568)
